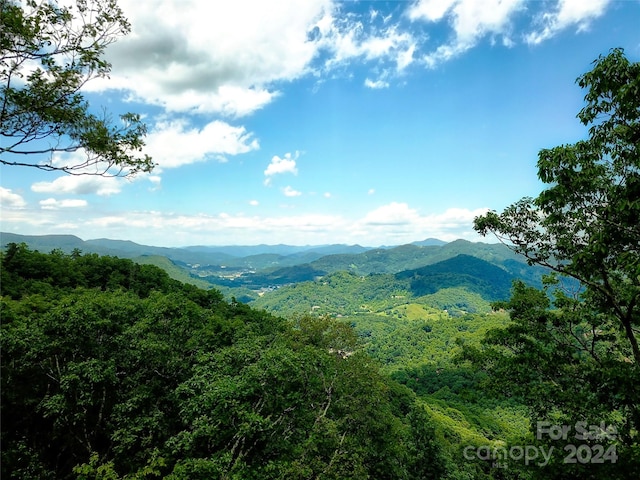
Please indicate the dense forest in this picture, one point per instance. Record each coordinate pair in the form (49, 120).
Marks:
(111, 369)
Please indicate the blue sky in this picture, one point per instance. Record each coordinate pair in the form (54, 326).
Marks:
(319, 121)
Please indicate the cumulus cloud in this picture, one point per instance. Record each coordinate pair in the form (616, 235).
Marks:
(566, 14)
(80, 185)
(174, 143)
(213, 57)
(231, 57)
(53, 204)
(11, 200)
(431, 10)
(280, 165)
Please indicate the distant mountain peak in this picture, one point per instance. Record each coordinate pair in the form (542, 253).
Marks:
(429, 242)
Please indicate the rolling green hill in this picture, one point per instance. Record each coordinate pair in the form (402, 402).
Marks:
(172, 270)
(257, 257)
(43, 243)
(344, 294)
(379, 260)
(337, 294)
(467, 284)
(476, 275)
(412, 257)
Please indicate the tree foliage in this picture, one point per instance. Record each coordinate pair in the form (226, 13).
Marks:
(113, 370)
(586, 224)
(48, 52)
(576, 356)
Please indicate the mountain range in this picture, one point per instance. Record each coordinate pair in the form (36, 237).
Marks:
(423, 268)
(231, 255)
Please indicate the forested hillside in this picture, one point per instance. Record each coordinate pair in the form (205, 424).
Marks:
(474, 274)
(459, 285)
(133, 374)
(129, 373)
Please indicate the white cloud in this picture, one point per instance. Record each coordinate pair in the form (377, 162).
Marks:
(347, 39)
(405, 58)
(291, 192)
(173, 144)
(34, 222)
(229, 100)
(375, 84)
(213, 57)
(474, 19)
(381, 46)
(280, 165)
(392, 214)
(392, 224)
(53, 204)
(80, 185)
(398, 223)
(254, 203)
(471, 20)
(225, 228)
(11, 200)
(431, 10)
(567, 13)
(231, 57)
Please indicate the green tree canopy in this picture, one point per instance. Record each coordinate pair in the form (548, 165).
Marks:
(586, 224)
(573, 356)
(113, 370)
(48, 52)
